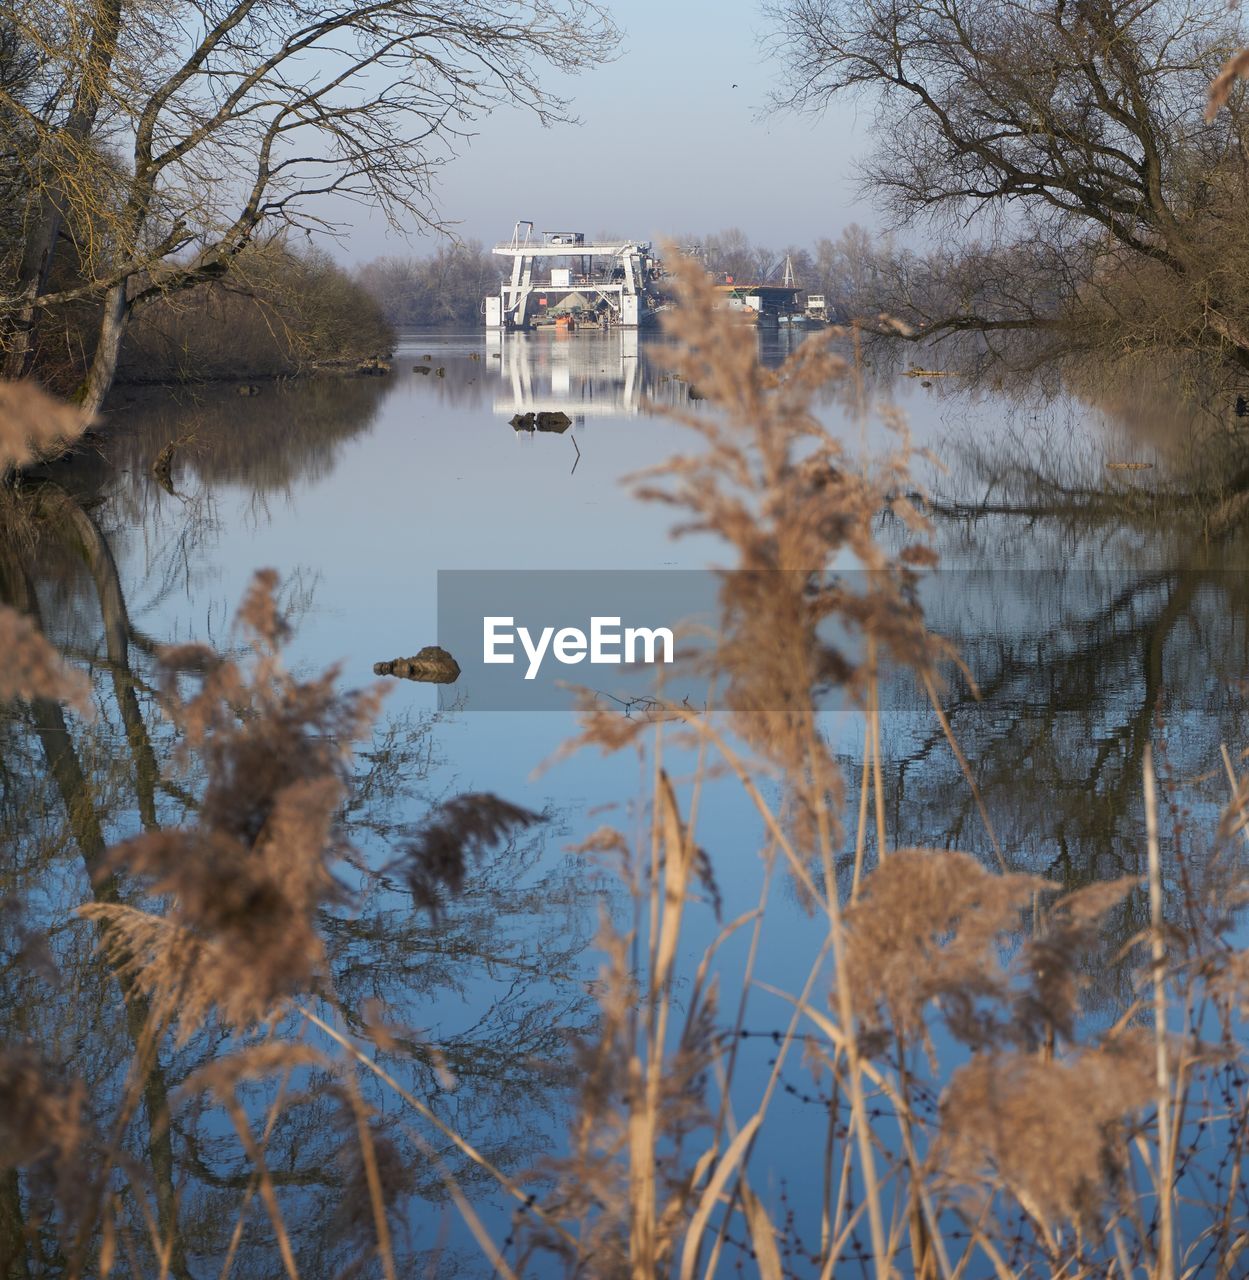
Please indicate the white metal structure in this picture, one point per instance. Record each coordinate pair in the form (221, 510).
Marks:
(561, 264)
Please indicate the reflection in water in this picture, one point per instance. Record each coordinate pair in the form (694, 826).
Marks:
(1102, 610)
(289, 434)
(1096, 610)
(586, 375)
(68, 790)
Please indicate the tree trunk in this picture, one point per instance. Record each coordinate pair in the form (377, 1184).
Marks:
(45, 230)
(14, 1251)
(113, 325)
(32, 280)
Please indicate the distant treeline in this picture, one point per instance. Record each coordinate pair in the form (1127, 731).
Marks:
(963, 290)
(447, 286)
(442, 289)
(849, 271)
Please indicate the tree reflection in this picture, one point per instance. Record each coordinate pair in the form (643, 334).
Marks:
(496, 985)
(1097, 610)
(290, 432)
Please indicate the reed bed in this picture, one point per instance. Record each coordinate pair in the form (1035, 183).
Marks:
(973, 1118)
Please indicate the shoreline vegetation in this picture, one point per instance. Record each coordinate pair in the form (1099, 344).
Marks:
(221, 1060)
(276, 314)
(977, 1116)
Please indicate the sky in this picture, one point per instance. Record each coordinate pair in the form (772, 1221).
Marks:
(674, 138)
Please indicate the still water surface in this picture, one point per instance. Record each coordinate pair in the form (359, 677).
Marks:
(1095, 607)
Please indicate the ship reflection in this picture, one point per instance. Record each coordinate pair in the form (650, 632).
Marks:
(585, 374)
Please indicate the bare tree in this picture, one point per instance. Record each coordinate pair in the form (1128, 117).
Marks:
(445, 287)
(238, 114)
(1068, 119)
(730, 253)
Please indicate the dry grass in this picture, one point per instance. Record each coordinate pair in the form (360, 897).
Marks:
(974, 1121)
(247, 881)
(32, 423)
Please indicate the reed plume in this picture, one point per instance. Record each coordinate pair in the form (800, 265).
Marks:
(246, 881)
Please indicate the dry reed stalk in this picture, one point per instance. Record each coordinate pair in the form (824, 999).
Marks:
(377, 1194)
(759, 1115)
(253, 1182)
(1234, 69)
(462, 1144)
(860, 835)
(873, 719)
(242, 1126)
(783, 516)
(1165, 1181)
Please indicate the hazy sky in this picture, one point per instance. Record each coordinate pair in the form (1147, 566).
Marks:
(666, 145)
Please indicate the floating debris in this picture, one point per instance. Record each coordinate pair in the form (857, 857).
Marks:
(420, 368)
(432, 665)
(373, 368)
(162, 468)
(1129, 466)
(247, 389)
(556, 421)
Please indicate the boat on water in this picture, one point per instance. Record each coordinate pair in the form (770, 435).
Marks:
(775, 306)
(561, 274)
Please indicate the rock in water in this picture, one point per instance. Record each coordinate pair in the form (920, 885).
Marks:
(432, 665)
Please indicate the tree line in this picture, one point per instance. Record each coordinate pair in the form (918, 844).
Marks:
(447, 286)
(865, 278)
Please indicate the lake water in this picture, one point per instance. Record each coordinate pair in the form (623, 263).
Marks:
(1097, 609)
